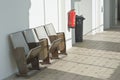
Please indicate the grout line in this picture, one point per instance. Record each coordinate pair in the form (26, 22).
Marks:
(97, 56)
(93, 29)
(88, 64)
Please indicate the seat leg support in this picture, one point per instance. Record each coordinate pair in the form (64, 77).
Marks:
(55, 54)
(35, 63)
(63, 51)
(47, 60)
(19, 55)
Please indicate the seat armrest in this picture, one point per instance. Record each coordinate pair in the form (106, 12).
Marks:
(53, 37)
(55, 44)
(57, 41)
(34, 52)
(43, 42)
(33, 45)
(60, 33)
(37, 47)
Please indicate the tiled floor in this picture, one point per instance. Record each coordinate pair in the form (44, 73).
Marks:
(96, 58)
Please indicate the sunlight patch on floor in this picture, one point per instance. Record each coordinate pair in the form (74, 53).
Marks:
(93, 64)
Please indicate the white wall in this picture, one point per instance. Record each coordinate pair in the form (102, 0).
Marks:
(23, 14)
(14, 16)
(57, 14)
(51, 13)
(67, 31)
(108, 14)
(97, 16)
(36, 13)
(84, 7)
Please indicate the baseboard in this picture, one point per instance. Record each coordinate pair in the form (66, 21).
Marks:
(68, 43)
(11, 76)
(90, 32)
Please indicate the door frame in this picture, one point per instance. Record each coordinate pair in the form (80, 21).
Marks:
(97, 18)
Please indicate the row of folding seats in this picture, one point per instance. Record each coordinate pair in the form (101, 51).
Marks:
(32, 45)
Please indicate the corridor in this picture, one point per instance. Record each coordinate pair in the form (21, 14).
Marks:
(96, 58)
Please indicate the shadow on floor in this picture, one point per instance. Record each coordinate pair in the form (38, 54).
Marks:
(52, 74)
(99, 45)
(115, 75)
(113, 29)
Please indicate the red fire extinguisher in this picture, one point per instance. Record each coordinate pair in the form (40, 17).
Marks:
(71, 18)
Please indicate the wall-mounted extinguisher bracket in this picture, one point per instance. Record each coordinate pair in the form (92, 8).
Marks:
(71, 18)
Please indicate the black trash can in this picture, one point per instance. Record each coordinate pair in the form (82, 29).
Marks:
(79, 28)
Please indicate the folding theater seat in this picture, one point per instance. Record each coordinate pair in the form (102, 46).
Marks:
(53, 46)
(23, 55)
(33, 41)
(53, 36)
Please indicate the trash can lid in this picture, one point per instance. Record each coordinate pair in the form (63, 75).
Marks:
(80, 17)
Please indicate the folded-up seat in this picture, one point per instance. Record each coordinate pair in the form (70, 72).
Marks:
(33, 41)
(53, 46)
(23, 55)
(53, 36)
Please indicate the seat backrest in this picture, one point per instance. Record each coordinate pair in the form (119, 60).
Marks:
(18, 40)
(30, 36)
(50, 29)
(41, 33)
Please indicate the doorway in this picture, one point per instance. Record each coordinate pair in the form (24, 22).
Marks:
(97, 16)
(117, 13)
